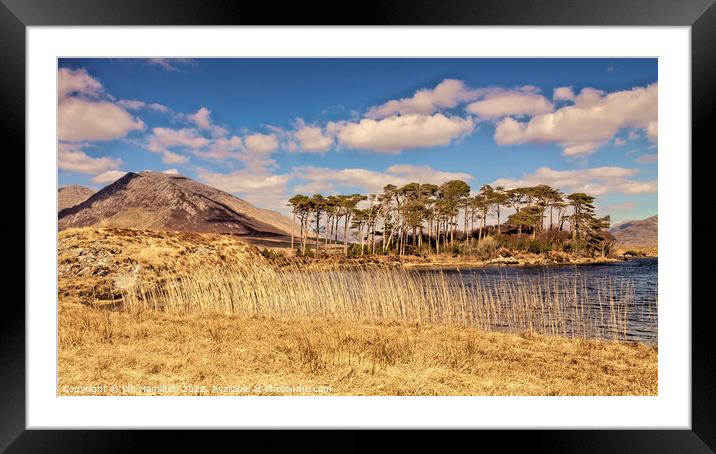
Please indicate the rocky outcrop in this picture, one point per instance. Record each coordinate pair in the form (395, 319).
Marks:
(98, 265)
(503, 261)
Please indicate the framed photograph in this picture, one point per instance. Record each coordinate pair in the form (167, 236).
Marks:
(411, 218)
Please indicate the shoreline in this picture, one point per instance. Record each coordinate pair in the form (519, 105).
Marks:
(416, 262)
(521, 264)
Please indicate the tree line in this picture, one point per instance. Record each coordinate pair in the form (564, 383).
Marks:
(434, 218)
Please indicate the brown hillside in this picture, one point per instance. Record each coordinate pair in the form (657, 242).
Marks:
(637, 233)
(158, 201)
(72, 195)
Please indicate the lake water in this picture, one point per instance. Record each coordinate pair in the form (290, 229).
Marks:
(630, 284)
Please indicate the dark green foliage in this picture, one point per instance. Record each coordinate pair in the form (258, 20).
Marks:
(538, 247)
(271, 254)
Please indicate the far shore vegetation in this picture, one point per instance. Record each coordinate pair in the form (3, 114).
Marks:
(428, 220)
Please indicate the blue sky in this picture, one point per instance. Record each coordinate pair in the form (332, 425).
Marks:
(264, 129)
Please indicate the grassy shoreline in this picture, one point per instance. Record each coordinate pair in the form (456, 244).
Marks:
(269, 356)
(491, 255)
(439, 261)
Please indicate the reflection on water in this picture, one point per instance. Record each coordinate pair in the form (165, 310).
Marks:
(624, 289)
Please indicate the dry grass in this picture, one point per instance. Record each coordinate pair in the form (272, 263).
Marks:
(649, 250)
(209, 310)
(334, 357)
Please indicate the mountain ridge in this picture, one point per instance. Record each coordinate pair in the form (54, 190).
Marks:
(159, 201)
(69, 196)
(642, 232)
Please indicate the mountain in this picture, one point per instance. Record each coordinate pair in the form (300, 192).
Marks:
(637, 233)
(70, 196)
(159, 201)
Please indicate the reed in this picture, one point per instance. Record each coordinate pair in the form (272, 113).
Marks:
(562, 306)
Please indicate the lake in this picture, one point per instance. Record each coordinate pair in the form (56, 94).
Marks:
(632, 285)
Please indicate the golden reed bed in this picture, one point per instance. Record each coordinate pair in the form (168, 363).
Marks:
(549, 305)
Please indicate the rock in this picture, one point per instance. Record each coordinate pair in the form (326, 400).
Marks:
(632, 254)
(128, 279)
(503, 261)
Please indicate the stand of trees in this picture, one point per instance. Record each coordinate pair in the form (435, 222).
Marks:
(434, 219)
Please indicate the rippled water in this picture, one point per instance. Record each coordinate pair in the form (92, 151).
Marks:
(633, 283)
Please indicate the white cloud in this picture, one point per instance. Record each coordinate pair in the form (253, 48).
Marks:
(202, 118)
(131, 104)
(652, 131)
(110, 176)
(638, 187)
(446, 95)
(590, 122)
(83, 116)
(171, 64)
(257, 151)
(261, 143)
(135, 104)
(171, 171)
(588, 97)
(158, 107)
(169, 157)
(594, 181)
(528, 88)
(498, 103)
(311, 139)
(318, 179)
(647, 158)
(304, 137)
(243, 181)
(254, 150)
(163, 139)
(424, 174)
(403, 132)
(563, 94)
(619, 142)
(260, 189)
(73, 159)
(80, 120)
(76, 82)
(222, 149)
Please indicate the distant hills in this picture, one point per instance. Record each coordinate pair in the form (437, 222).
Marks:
(159, 201)
(72, 195)
(637, 233)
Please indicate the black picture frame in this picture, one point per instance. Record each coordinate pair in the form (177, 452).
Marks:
(16, 15)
